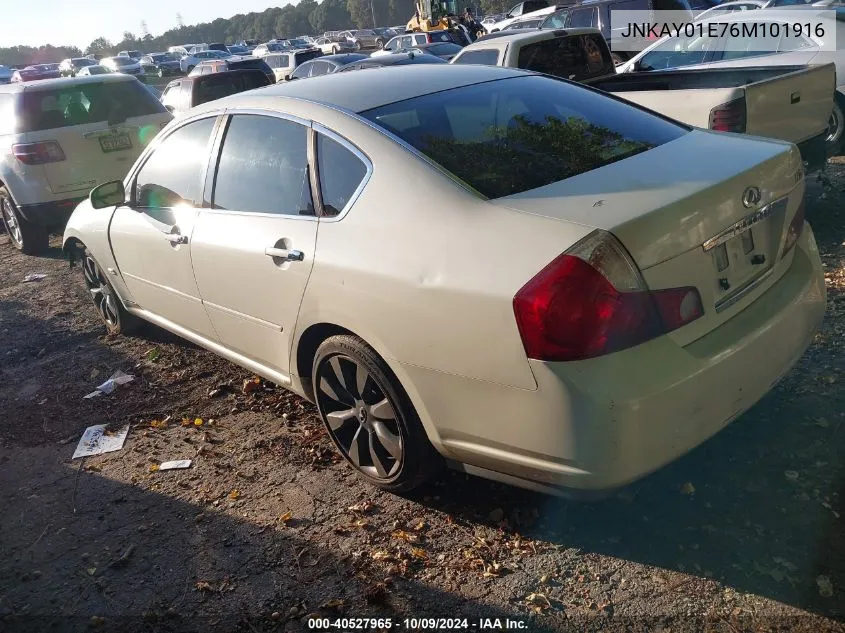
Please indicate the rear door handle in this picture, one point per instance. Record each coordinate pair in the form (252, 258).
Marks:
(175, 238)
(285, 254)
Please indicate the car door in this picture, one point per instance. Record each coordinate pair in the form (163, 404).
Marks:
(253, 249)
(151, 235)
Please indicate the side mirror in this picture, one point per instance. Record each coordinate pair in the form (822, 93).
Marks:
(170, 109)
(109, 194)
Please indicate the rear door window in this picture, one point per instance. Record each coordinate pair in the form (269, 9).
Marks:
(583, 17)
(263, 167)
(82, 104)
(512, 135)
(483, 56)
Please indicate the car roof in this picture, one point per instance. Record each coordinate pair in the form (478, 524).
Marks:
(360, 91)
(340, 58)
(49, 84)
(783, 14)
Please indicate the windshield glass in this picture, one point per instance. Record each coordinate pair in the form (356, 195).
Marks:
(504, 137)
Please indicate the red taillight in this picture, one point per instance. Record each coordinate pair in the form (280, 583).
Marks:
(38, 153)
(796, 227)
(592, 300)
(729, 117)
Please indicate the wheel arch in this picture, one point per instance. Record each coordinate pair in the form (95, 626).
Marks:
(312, 337)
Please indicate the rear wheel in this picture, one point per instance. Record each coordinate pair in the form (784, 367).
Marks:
(25, 236)
(115, 317)
(379, 44)
(836, 127)
(369, 417)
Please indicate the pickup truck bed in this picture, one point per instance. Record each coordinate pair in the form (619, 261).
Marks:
(789, 103)
(782, 102)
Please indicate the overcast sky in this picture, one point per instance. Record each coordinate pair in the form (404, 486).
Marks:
(58, 22)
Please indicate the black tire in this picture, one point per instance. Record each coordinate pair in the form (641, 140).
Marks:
(28, 238)
(396, 454)
(836, 127)
(379, 44)
(358, 46)
(115, 317)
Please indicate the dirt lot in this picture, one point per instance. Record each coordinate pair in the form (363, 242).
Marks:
(746, 533)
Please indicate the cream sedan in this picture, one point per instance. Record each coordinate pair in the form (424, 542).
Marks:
(563, 299)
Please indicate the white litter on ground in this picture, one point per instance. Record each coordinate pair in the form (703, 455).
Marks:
(117, 378)
(34, 277)
(96, 441)
(179, 463)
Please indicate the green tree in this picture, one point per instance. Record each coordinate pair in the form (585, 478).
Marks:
(101, 46)
(330, 15)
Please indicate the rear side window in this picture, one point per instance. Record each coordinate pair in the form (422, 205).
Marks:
(483, 56)
(508, 136)
(556, 20)
(587, 17)
(173, 173)
(341, 173)
(306, 55)
(263, 167)
(571, 57)
(82, 104)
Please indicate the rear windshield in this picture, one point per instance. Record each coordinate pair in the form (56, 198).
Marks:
(512, 135)
(306, 55)
(254, 64)
(218, 86)
(81, 104)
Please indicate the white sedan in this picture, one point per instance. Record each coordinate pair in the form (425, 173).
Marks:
(576, 304)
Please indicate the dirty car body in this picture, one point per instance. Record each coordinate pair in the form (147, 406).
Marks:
(570, 324)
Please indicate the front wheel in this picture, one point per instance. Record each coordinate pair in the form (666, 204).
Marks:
(115, 317)
(379, 44)
(25, 236)
(357, 46)
(369, 417)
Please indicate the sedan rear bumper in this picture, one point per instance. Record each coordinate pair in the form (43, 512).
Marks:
(603, 423)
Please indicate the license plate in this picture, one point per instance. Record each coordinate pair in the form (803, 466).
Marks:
(115, 142)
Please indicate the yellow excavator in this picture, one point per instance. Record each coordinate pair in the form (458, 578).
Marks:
(434, 15)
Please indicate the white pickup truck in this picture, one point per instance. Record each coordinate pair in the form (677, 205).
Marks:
(790, 103)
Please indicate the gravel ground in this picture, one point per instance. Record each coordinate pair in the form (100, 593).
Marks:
(268, 526)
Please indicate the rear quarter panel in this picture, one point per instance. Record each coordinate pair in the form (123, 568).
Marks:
(688, 106)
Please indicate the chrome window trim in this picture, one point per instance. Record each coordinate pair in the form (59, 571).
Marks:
(230, 113)
(321, 129)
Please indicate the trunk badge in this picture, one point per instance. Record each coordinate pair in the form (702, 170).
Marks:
(751, 197)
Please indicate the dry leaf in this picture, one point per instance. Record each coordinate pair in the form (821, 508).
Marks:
(538, 601)
(825, 586)
(154, 467)
(363, 507)
(186, 422)
(335, 603)
(91, 571)
(234, 494)
(158, 424)
(418, 553)
(420, 526)
(406, 536)
(688, 489)
(203, 586)
(381, 555)
(287, 516)
(493, 570)
(791, 475)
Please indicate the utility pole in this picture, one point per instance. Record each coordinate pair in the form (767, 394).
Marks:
(373, 9)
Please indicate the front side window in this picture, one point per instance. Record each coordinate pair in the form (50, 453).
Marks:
(172, 176)
(482, 56)
(512, 135)
(341, 173)
(263, 167)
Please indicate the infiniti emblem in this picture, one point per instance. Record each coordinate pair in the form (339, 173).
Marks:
(751, 197)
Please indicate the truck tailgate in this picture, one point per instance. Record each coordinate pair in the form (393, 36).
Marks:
(793, 107)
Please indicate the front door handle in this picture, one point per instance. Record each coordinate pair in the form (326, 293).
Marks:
(285, 254)
(175, 238)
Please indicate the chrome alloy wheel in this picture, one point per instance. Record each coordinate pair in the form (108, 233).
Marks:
(11, 221)
(101, 292)
(360, 418)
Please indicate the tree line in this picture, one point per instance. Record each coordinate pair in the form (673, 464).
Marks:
(306, 17)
